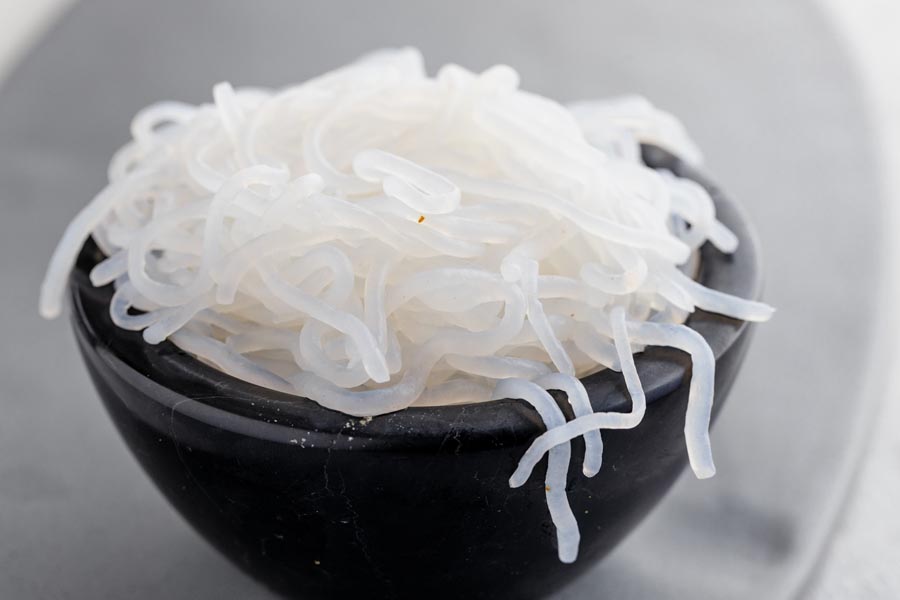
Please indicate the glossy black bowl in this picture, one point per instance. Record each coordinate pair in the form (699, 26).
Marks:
(413, 504)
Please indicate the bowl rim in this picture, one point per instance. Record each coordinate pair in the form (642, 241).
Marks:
(187, 385)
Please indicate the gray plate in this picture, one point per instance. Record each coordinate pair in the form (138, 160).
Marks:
(763, 86)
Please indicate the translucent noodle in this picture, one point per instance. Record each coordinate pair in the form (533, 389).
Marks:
(376, 238)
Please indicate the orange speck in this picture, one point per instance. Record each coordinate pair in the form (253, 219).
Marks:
(421, 218)
(546, 488)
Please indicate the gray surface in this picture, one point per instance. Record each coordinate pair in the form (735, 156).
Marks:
(762, 86)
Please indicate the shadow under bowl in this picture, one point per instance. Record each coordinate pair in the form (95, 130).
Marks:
(413, 504)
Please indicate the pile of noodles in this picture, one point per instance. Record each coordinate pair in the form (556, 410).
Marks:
(376, 238)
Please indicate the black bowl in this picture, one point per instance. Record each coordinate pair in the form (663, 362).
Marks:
(413, 504)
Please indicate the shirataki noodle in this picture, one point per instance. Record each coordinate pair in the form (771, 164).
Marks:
(376, 238)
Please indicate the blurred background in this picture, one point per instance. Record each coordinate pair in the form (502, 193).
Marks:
(796, 106)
